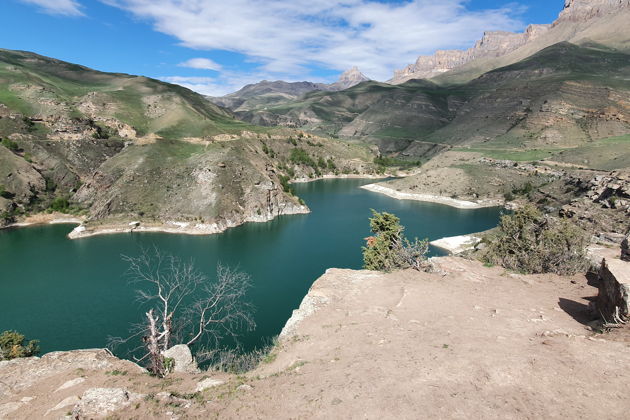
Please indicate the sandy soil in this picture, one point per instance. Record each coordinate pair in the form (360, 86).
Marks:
(471, 342)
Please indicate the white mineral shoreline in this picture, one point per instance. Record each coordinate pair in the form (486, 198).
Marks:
(439, 199)
(456, 244)
(174, 227)
(342, 176)
(69, 220)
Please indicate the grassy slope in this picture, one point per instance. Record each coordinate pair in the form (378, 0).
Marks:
(27, 78)
(504, 106)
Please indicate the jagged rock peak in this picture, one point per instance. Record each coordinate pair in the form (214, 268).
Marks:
(492, 44)
(499, 43)
(349, 78)
(581, 10)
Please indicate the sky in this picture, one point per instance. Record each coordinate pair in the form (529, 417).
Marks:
(217, 46)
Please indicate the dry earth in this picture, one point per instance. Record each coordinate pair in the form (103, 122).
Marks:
(470, 342)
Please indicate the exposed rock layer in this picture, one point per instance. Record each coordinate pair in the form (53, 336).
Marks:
(572, 20)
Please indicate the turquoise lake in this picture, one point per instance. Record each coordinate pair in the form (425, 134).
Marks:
(73, 294)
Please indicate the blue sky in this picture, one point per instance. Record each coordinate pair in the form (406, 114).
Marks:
(215, 47)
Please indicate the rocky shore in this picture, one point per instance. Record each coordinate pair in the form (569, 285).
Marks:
(179, 227)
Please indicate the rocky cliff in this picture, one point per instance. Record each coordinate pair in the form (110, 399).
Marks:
(499, 43)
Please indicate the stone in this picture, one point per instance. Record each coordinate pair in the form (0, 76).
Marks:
(102, 401)
(625, 248)
(182, 358)
(613, 302)
(66, 402)
(70, 383)
(208, 383)
(8, 408)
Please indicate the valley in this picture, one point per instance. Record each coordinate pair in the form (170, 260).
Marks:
(511, 158)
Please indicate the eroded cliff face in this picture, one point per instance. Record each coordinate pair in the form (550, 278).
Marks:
(582, 10)
(493, 44)
(499, 43)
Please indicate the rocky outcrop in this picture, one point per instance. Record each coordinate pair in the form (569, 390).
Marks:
(625, 248)
(582, 10)
(499, 43)
(347, 79)
(103, 401)
(182, 358)
(493, 44)
(613, 299)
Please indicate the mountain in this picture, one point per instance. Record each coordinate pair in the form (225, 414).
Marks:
(264, 94)
(347, 79)
(562, 96)
(581, 22)
(115, 147)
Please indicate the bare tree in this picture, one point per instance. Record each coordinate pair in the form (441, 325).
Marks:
(185, 307)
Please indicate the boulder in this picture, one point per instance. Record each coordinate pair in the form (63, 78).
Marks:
(625, 248)
(613, 302)
(208, 383)
(102, 401)
(182, 358)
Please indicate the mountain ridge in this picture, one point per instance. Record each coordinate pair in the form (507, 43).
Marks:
(270, 93)
(576, 17)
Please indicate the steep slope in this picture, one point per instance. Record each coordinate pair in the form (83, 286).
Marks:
(581, 22)
(389, 116)
(563, 96)
(268, 94)
(113, 147)
(68, 101)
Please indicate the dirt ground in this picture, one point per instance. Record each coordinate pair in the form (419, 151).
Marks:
(470, 342)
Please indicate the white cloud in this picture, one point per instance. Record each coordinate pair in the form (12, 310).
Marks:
(287, 38)
(201, 63)
(58, 7)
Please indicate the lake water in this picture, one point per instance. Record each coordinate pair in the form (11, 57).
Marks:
(73, 294)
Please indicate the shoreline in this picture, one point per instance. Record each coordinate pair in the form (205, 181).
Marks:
(342, 176)
(45, 219)
(431, 198)
(174, 227)
(456, 244)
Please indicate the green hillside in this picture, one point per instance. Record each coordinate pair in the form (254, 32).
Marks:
(562, 96)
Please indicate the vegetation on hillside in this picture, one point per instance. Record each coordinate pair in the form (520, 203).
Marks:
(14, 345)
(531, 242)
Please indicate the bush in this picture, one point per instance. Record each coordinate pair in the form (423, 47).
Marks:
(300, 156)
(388, 249)
(284, 181)
(13, 345)
(10, 144)
(60, 204)
(6, 194)
(530, 242)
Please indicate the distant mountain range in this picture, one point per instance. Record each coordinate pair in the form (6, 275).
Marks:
(582, 21)
(267, 93)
